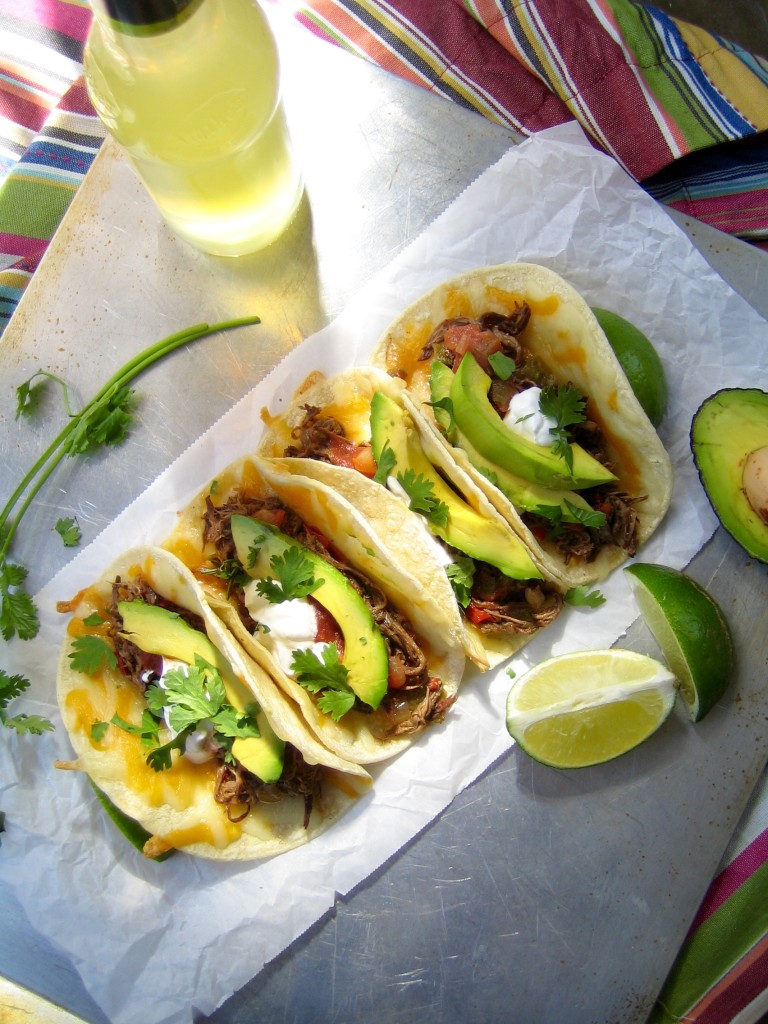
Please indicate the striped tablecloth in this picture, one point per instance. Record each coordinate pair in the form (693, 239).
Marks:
(680, 109)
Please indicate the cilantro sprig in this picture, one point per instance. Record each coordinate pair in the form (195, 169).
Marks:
(327, 677)
(565, 404)
(294, 577)
(103, 421)
(10, 688)
(421, 493)
(189, 696)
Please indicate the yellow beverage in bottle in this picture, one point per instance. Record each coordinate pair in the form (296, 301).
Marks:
(194, 101)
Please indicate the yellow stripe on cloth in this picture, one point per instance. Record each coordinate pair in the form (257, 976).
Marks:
(728, 73)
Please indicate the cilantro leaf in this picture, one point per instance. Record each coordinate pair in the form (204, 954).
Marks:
(91, 653)
(422, 497)
(234, 724)
(582, 596)
(149, 730)
(18, 615)
(11, 687)
(295, 577)
(191, 694)
(327, 677)
(159, 758)
(585, 516)
(447, 421)
(461, 574)
(69, 532)
(98, 730)
(385, 464)
(565, 404)
(502, 365)
(104, 424)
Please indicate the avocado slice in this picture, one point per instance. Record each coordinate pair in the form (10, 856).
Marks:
(479, 422)
(158, 630)
(365, 652)
(465, 528)
(525, 495)
(729, 440)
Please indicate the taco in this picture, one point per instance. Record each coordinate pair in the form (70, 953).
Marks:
(508, 367)
(182, 732)
(305, 586)
(354, 433)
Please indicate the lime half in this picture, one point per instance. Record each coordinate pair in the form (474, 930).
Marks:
(691, 631)
(639, 361)
(581, 709)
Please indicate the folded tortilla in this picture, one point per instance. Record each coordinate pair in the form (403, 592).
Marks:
(177, 805)
(565, 340)
(344, 401)
(363, 736)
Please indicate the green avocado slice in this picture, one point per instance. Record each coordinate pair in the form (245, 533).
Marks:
(478, 421)
(525, 495)
(729, 434)
(365, 652)
(158, 630)
(462, 527)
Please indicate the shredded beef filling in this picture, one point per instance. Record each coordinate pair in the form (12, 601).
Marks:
(408, 663)
(507, 607)
(236, 789)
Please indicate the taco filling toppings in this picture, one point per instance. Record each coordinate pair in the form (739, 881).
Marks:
(498, 602)
(327, 625)
(189, 713)
(526, 397)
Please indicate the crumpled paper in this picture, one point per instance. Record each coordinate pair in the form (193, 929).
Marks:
(151, 941)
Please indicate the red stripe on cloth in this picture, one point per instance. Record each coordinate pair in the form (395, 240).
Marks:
(75, 100)
(28, 250)
(735, 990)
(62, 17)
(16, 107)
(734, 214)
(732, 876)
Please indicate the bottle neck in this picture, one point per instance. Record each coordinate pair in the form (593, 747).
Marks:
(143, 17)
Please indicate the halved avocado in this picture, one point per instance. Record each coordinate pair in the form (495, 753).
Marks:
(465, 528)
(478, 420)
(158, 630)
(365, 652)
(729, 440)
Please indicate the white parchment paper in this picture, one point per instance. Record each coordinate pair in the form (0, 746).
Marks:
(153, 941)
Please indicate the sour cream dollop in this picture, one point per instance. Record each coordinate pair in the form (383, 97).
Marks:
(289, 625)
(524, 417)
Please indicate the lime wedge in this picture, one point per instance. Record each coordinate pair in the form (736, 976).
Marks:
(581, 709)
(639, 360)
(691, 631)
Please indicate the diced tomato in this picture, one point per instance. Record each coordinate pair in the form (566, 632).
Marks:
(328, 631)
(463, 338)
(275, 516)
(477, 615)
(348, 455)
(539, 532)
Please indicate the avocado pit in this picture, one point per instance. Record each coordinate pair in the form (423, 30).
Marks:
(754, 482)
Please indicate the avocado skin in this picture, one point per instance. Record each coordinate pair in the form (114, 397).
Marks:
(365, 652)
(523, 494)
(478, 420)
(726, 427)
(466, 529)
(158, 630)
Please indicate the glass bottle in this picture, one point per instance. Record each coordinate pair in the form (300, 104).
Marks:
(190, 90)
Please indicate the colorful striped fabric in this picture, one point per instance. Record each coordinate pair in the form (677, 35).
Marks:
(648, 89)
(679, 108)
(49, 134)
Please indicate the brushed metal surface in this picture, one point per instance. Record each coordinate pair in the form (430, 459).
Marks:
(539, 895)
